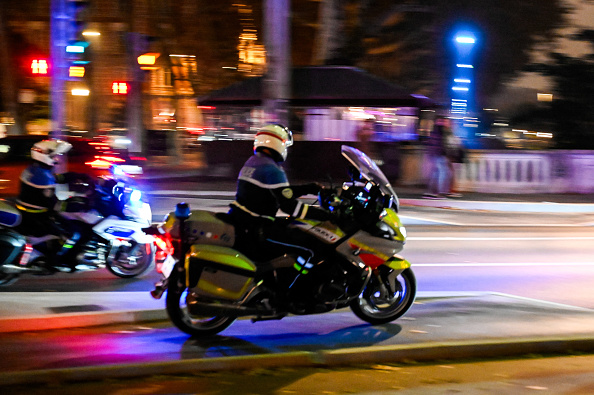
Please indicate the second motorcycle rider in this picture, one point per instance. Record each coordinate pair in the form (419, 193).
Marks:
(37, 200)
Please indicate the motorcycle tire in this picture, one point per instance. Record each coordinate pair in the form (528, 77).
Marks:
(372, 307)
(7, 279)
(178, 313)
(133, 263)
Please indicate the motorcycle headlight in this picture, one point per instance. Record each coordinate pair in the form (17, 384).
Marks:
(402, 230)
(386, 231)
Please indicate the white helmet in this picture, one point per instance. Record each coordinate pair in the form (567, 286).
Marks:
(47, 151)
(276, 137)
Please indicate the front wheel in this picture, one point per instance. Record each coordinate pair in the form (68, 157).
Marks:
(198, 326)
(387, 296)
(131, 260)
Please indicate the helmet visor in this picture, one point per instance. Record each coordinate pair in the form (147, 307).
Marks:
(289, 141)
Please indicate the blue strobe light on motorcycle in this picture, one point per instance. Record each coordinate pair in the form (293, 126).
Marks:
(182, 210)
(135, 196)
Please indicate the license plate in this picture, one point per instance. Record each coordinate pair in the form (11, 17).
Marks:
(168, 266)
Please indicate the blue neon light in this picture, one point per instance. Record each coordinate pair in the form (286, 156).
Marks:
(465, 40)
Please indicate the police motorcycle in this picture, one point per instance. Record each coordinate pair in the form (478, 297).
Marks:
(209, 284)
(110, 209)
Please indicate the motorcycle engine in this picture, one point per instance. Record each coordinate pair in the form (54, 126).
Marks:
(324, 286)
(334, 287)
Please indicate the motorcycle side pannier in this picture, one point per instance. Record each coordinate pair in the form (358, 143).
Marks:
(203, 227)
(219, 272)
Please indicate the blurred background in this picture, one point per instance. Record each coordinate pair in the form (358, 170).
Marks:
(171, 80)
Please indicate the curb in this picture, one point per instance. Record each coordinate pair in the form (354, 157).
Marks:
(76, 320)
(427, 352)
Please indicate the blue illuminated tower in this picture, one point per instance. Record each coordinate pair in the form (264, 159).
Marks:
(463, 85)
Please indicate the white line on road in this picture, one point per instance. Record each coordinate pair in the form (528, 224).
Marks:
(192, 193)
(498, 264)
(442, 238)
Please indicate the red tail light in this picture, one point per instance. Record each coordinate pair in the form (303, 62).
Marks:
(164, 249)
(26, 254)
(163, 243)
(99, 164)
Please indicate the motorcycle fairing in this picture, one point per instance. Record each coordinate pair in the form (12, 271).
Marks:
(141, 211)
(218, 271)
(125, 229)
(9, 216)
(325, 231)
(391, 218)
(397, 263)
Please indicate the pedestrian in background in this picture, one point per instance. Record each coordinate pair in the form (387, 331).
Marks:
(440, 167)
(455, 154)
(365, 135)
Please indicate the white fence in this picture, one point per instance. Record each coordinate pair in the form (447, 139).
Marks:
(511, 171)
(505, 172)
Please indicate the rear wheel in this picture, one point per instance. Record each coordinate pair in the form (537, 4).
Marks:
(131, 261)
(386, 297)
(198, 326)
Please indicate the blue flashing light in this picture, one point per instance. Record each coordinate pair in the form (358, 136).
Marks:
(460, 88)
(135, 196)
(465, 40)
(182, 210)
(117, 170)
(462, 80)
(465, 66)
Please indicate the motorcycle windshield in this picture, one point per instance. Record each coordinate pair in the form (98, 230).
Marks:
(369, 170)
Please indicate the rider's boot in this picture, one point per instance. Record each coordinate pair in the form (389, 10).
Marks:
(66, 256)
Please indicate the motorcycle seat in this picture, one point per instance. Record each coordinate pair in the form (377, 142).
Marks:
(225, 217)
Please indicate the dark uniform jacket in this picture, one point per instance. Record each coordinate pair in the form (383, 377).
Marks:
(263, 189)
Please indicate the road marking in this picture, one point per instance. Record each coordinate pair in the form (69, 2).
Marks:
(499, 264)
(447, 238)
(191, 193)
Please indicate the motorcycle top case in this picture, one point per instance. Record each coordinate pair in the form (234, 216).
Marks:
(202, 227)
(9, 216)
(218, 272)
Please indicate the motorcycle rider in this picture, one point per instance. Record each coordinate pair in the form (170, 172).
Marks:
(263, 189)
(37, 199)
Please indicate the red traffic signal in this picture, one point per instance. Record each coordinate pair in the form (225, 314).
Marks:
(119, 88)
(39, 67)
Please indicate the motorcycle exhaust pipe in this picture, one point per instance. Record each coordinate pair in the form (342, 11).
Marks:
(209, 309)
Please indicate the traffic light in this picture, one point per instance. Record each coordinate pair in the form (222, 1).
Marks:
(76, 48)
(40, 67)
(119, 88)
(76, 71)
(76, 10)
